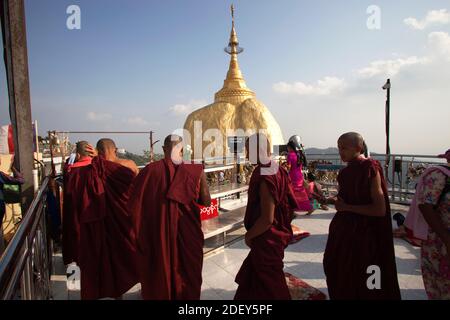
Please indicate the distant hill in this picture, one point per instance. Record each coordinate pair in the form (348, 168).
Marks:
(330, 150)
(141, 160)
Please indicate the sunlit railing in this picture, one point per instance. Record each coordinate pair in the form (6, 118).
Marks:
(403, 171)
(25, 266)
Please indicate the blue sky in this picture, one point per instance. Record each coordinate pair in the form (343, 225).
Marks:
(136, 65)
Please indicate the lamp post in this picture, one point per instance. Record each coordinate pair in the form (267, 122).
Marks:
(387, 87)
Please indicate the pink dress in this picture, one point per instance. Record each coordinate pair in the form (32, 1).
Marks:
(297, 181)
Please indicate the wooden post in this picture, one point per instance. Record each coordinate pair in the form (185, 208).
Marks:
(16, 60)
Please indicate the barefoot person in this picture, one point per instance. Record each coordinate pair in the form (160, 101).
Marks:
(315, 192)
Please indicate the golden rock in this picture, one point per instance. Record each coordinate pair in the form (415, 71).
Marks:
(235, 110)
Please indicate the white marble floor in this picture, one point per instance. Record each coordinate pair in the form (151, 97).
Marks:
(303, 259)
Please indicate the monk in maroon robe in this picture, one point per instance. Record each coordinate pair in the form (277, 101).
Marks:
(359, 259)
(71, 198)
(271, 203)
(168, 227)
(107, 252)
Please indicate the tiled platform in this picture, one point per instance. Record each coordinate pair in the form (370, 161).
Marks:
(224, 222)
(220, 191)
(303, 259)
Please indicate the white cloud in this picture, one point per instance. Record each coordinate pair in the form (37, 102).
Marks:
(180, 109)
(327, 86)
(434, 17)
(185, 109)
(420, 89)
(93, 116)
(439, 44)
(438, 51)
(390, 68)
(136, 121)
(438, 47)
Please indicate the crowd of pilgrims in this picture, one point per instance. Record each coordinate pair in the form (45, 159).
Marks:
(123, 226)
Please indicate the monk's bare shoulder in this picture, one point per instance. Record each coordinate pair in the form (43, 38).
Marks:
(130, 164)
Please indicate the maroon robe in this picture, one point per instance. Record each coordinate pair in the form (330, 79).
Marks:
(261, 276)
(168, 230)
(356, 242)
(70, 223)
(107, 251)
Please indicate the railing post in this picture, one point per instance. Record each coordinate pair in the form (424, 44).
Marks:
(26, 285)
(402, 193)
(392, 160)
(45, 271)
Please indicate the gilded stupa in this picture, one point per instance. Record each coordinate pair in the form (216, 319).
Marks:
(235, 107)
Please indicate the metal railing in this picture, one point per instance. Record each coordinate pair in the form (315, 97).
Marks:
(25, 266)
(403, 171)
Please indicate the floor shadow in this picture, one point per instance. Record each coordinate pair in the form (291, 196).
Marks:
(217, 294)
(413, 294)
(315, 243)
(408, 267)
(316, 216)
(305, 269)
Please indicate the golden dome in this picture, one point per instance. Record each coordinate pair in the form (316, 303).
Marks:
(235, 108)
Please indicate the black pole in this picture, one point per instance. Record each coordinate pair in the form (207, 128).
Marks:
(388, 106)
(387, 87)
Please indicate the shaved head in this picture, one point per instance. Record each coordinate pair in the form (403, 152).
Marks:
(172, 140)
(352, 139)
(81, 148)
(351, 145)
(173, 148)
(104, 145)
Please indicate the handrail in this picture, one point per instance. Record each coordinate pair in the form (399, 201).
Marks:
(401, 173)
(16, 256)
(378, 155)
